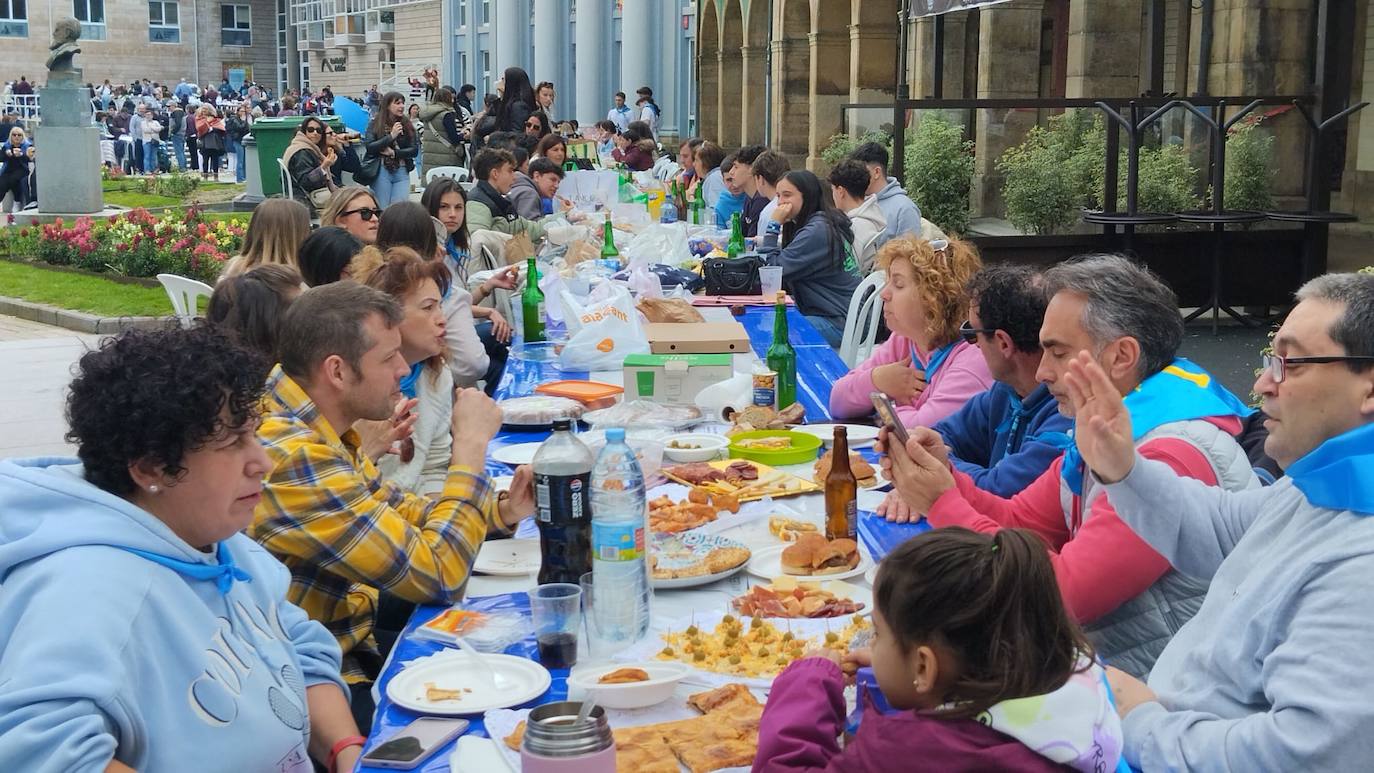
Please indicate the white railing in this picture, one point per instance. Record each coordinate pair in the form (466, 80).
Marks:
(395, 76)
(23, 105)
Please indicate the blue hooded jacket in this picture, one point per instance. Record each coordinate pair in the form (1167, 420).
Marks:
(1003, 442)
(118, 640)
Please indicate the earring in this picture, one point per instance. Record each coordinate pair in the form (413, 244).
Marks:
(153, 489)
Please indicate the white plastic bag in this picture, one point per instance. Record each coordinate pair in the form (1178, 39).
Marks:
(660, 243)
(603, 332)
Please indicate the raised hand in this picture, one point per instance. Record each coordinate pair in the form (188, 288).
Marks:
(1102, 425)
(899, 380)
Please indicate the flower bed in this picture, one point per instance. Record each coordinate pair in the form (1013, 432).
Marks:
(135, 243)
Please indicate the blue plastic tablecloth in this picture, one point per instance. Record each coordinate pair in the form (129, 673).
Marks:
(818, 366)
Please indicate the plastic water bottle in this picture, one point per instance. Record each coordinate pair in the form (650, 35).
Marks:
(668, 214)
(620, 569)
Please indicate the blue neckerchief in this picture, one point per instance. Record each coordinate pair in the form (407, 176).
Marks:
(937, 358)
(546, 205)
(456, 258)
(1181, 392)
(224, 574)
(408, 382)
(1339, 473)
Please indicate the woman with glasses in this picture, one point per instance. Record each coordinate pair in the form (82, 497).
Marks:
(354, 209)
(537, 125)
(929, 366)
(309, 158)
(391, 136)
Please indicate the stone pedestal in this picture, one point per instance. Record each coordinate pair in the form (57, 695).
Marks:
(68, 151)
(252, 192)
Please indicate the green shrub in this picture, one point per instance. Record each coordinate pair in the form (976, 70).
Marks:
(939, 172)
(1249, 167)
(1055, 172)
(1166, 180)
(841, 145)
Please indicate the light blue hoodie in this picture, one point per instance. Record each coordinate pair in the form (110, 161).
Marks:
(169, 660)
(902, 215)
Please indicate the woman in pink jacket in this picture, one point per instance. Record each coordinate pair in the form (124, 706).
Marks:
(926, 366)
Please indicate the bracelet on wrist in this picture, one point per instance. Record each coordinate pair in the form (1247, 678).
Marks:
(339, 746)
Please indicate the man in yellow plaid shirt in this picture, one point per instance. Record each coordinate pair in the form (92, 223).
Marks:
(352, 541)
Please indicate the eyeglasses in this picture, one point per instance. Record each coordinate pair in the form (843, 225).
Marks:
(1278, 365)
(311, 130)
(970, 333)
(366, 213)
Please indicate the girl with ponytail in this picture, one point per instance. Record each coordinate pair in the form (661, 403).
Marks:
(979, 660)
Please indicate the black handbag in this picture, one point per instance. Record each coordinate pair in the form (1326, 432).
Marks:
(732, 276)
(368, 170)
(213, 141)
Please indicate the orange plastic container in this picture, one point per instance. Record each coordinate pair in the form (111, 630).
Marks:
(593, 394)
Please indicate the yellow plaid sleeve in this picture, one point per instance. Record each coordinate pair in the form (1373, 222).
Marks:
(332, 512)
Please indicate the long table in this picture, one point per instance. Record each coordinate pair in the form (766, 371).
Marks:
(818, 367)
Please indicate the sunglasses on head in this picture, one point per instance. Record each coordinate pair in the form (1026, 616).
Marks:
(970, 333)
(366, 213)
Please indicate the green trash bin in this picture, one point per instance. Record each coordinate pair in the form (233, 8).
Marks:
(272, 136)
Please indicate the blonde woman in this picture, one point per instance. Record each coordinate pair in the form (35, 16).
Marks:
(274, 236)
(354, 209)
(927, 367)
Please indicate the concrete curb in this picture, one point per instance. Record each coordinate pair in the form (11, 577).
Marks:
(78, 320)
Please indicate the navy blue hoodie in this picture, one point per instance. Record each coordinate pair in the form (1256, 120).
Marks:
(1003, 442)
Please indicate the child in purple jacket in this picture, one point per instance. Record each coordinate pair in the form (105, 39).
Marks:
(975, 652)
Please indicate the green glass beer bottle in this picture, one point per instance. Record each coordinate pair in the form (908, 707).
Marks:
(532, 305)
(735, 247)
(698, 206)
(781, 357)
(608, 249)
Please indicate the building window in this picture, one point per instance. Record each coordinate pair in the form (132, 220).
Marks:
(14, 19)
(235, 25)
(462, 69)
(460, 13)
(91, 14)
(486, 72)
(164, 25)
(486, 12)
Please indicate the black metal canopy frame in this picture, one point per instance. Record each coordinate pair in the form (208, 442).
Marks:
(1324, 106)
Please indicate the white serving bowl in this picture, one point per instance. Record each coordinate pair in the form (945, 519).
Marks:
(709, 447)
(663, 679)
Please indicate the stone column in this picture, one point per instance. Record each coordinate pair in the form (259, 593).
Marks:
(921, 72)
(637, 47)
(593, 23)
(752, 63)
(1009, 58)
(506, 25)
(1105, 46)
(548, 42)
(708, 90)
(728, 105)
(828, 90)
(791, 87)
(872, 57)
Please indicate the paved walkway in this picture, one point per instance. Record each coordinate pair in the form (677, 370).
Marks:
(35, 367)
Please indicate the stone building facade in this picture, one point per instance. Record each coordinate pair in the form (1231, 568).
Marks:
(778, 71)
(124, 40)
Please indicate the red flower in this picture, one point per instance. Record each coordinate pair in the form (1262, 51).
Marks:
(23, 233)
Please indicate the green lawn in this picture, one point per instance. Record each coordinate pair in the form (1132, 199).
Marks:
(137, 199)
(81, 293)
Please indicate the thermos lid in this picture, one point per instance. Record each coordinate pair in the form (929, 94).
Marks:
(551, 731)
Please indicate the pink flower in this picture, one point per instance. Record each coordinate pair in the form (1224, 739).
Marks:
(9, 219)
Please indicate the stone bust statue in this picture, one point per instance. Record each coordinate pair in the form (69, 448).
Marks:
(64, 35)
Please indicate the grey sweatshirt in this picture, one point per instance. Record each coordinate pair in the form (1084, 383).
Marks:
(1274, 671)
(815, 269)
(525, 197)
(902, 215)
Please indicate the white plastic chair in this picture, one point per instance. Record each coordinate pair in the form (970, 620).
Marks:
(861, 326)
(866, 252)
(184, 294)
(657, 168)
(288, 190)
(456, 172)
(669, 171)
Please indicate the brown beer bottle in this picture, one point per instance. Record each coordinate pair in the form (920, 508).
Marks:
(841, 491)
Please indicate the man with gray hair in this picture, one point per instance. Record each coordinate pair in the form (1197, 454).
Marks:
(1129, 598)
(360, 550)
(1273, 672)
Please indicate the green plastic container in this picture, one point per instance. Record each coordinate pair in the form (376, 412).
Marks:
(803, 450)
(272, 136)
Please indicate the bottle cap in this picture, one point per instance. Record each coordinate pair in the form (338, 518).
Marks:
(615, 434)
(562, 425)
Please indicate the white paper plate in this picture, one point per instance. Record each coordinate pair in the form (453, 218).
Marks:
(516, 455)
(518, 680)
(502, 482)
(856, 593)
(871, 575)
(767, 563)
(662, 683)
(694, 543)
(508, 557)
(859, 435)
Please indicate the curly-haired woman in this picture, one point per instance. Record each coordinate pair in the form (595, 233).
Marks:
(139, 628)
(926, 366)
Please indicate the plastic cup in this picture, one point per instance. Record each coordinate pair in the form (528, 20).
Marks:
(770, 280)
(557, 612)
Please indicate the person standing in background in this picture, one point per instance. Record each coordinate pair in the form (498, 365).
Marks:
(649, 111)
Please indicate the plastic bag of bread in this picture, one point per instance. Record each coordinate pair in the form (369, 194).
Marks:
(668, 310)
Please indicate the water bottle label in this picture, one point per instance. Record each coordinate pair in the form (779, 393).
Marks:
(617, 541)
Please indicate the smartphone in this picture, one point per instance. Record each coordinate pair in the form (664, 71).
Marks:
(415, 743)
(887, 413)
